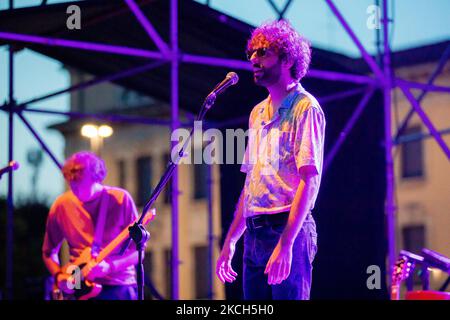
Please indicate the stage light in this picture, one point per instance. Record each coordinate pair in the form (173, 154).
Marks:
(96, 134)
(105, 131)
(89, 131)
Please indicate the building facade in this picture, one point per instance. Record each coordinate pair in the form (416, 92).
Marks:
(422, 170)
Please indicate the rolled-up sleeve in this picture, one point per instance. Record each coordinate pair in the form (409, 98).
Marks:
(309, 139)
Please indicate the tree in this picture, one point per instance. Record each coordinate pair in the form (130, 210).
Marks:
(29, 272)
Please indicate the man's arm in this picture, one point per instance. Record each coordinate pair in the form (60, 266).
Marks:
(52, 263)
(224, 271)
(306, 193)
(53, 239)
(278, 267)
(237, 227)
(119, 264)
(110, 265)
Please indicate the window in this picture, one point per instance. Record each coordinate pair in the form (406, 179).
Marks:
(414, 238)
(412, 155)
(148, 265)
(122, 173)
(414, 241)
(201, 273)
(144, 179)
(201, 180)
(148, 275)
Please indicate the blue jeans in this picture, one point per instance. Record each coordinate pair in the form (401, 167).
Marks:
(117, 293)
(258, 247)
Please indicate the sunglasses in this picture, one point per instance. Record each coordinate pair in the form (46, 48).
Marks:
(261, 52)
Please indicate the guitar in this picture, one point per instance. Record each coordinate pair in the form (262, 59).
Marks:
(87, 289)
(402, 270)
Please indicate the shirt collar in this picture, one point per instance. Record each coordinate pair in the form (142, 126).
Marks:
(286, 104)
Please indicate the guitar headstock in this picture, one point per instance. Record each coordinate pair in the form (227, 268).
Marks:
(402, 269)
(149, 216)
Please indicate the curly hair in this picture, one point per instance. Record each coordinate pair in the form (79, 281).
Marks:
(84, 162)
(287, 42)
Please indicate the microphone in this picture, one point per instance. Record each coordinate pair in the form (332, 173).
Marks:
(13, 165)
(231, 79)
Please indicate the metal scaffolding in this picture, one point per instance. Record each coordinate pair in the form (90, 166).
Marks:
(382, 79)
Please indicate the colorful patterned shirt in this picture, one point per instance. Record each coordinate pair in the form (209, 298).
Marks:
(278, 148)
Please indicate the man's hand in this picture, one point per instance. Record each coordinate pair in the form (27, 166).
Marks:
(278, 267)
(93, 270)
(62, 281)
(224, 271)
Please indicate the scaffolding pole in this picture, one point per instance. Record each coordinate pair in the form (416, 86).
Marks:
(390, 208)
(10, 199)
(175, 124)
(210, 232)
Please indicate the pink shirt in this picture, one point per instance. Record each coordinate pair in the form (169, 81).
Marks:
(278, 148)
(75, 221)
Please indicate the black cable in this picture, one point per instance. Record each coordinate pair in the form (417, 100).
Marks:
(445, 285)
(154, 292)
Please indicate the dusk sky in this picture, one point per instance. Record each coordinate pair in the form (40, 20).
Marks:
(416, 22)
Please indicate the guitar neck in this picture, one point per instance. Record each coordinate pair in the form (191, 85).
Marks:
(121, 237)
(112, 245)
(395, 291)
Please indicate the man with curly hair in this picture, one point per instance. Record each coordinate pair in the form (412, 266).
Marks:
(74, 216)
(283, 163)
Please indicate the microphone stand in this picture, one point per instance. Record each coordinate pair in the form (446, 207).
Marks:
(137, 231)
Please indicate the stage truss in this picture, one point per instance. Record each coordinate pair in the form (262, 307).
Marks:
(382, 78)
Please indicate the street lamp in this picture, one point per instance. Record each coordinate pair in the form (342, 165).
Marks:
(105, 131)
(96, 134)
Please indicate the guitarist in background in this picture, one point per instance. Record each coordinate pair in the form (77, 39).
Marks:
(74, 216)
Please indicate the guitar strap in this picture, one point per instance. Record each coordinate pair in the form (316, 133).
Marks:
(100, 226)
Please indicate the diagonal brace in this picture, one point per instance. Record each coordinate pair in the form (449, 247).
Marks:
(285, 9)
(147, 25)
(426, 121)
(93, 82)
(370, 61)
(348, 127)
(422, 86)
(433, 77)
(279, 12)
(38, 138)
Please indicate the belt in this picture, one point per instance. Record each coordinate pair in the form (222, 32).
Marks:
(266, 220)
